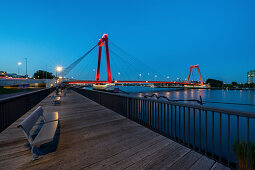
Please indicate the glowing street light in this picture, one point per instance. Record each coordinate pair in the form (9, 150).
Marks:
(19, 64)
(58, 69)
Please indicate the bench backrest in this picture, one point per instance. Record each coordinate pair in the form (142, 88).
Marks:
(28, 123)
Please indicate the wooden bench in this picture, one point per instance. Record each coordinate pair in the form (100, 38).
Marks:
(46, 133)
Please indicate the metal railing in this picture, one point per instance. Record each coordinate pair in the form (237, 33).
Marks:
(14, 107)
(223, 135)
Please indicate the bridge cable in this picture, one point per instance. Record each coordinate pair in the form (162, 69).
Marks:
(137, 60)
(71, 66)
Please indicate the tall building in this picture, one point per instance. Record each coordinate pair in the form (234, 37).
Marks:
(250, 76)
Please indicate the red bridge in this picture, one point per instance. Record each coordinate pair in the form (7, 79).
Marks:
(104, 42)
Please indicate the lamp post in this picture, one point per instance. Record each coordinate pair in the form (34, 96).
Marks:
(58, 69)
(19, 64)
(26, 68)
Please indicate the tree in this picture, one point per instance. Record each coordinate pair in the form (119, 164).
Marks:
(214, 83)
(234, 83)
(40, 74)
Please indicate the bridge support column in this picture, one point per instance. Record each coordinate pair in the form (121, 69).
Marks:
(200, 77)
(104, 41)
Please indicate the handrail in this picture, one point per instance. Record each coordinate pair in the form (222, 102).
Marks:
(206, 108)
(20, 95)
(14, 107)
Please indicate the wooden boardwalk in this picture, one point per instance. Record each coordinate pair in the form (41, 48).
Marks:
(91, 136)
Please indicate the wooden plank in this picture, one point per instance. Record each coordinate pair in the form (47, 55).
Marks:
(203, 163)
(126, 154)
(163, 158)
(186, 161)
(139, 155)
(218, 166)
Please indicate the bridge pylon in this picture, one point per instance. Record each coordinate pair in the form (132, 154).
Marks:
(200, 77)
(104, 41)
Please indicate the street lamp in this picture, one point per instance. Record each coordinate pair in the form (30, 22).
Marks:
(19, 64)
(58, 69)
(139, 76)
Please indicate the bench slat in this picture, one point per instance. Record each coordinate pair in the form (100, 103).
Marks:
(48, 117)
(46, 134)
(28, 123)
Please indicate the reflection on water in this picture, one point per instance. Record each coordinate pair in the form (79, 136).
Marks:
(223, 97)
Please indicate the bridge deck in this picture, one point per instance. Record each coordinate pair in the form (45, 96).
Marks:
(91, 136)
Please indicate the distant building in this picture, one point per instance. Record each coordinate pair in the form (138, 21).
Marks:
(2, 73)
(250, 76)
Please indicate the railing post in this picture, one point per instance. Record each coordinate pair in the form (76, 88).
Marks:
(205, 132)
(183, 124)
(127, 107)
(189, 126)
(220, 137)
(248, 143)
(212, 134)
(237, 141)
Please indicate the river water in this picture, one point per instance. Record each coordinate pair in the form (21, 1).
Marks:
(242, 100)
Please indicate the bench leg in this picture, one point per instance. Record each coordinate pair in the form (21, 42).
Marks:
(35, 153)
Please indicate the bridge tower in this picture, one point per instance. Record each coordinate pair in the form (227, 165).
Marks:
(104, 41)
(197, 67)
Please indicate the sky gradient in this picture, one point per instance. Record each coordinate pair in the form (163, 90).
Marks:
(166, 35)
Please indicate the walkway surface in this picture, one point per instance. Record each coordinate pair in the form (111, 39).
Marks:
(91, 136)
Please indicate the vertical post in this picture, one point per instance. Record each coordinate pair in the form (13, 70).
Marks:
(237, 146)
(248, 149)
(220, 137)
(202, 83)
(183, 124)
(189, 73)
(100, 44)
(206, 132)
(189, 125)
(158, 115)
(161, 108)
(26, 68)
(105, 38)
(172, 120)
(228, 139)
(127, 107)
(212, 134)
(168, 120)
(150, 114)
(200, 130)
(175, 122)
(194, 128)
(46, 73)
(179, 123)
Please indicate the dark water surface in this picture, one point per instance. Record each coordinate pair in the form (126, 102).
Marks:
(243, 100)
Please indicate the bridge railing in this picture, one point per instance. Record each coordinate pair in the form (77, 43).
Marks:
(14, 107)
(227, 136)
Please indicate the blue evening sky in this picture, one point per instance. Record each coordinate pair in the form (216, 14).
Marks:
(169, 36)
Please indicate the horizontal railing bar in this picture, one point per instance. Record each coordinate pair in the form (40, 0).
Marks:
(205, 108)
(21, 95)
